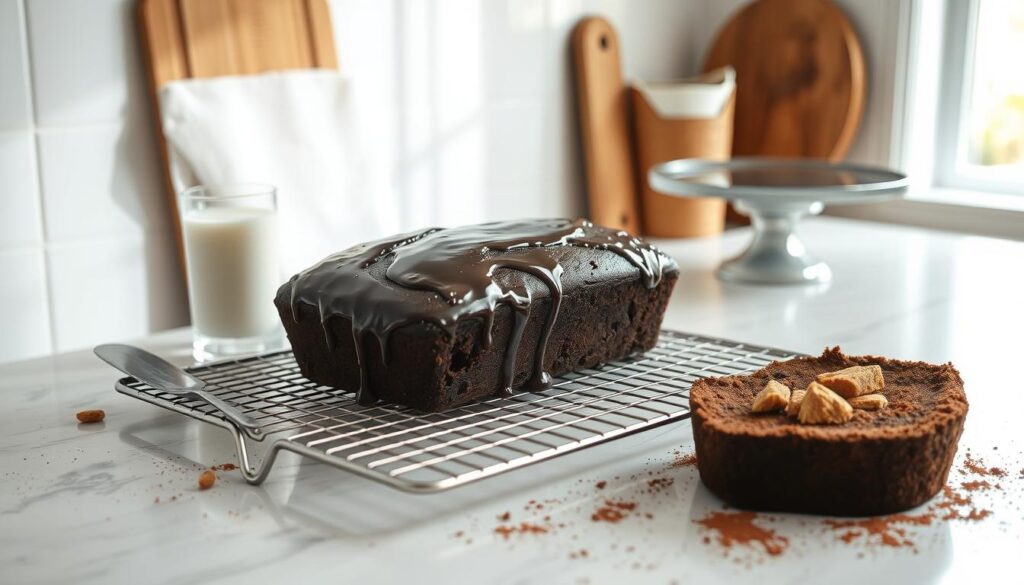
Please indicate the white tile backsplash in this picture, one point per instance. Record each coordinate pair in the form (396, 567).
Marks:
(85, 66)
(114, 289)
(14, 110)
(24, 315)
(84, 222)
(101, 181)
(20, 224)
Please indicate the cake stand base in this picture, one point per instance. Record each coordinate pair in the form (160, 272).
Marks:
(776, 255)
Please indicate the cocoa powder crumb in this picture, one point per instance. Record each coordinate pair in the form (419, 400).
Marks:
(523, 528)
(973, 486)
(848, 536)
(738, 528)
(225, 467)
(659, 484)
(684, 461)
(504, 517)
(979, 514)
(612, 511)
(977, 467)
(601, 484)
(953, 498)
(607, 515)
(886, 530)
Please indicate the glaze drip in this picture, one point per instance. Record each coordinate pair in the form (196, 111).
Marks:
(461, 267)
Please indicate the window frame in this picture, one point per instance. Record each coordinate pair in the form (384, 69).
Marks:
(903, 125)
(951, 169)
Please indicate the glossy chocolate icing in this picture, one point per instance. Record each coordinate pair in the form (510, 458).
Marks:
(460, 265)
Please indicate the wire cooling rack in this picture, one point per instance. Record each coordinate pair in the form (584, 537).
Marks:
(429, 452)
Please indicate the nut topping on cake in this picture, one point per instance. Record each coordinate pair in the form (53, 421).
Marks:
(795, 400)
(830, 405)
(774, 396)
(868, 402)
(854, 381)
(823, 406)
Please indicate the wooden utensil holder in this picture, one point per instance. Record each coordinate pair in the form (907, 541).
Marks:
(658, 139)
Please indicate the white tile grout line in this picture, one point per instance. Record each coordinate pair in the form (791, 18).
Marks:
(36, 157)
(138, 237)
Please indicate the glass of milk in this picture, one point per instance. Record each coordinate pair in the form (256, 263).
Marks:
(231, 252)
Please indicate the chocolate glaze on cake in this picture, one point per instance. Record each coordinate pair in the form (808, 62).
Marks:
(879, 462)
(467, 270)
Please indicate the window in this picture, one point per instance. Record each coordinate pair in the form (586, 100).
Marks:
(980, 134)
(946, 106)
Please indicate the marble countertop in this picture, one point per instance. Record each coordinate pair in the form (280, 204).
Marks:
(117, 501)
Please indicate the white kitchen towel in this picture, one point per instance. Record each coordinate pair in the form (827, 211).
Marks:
(294, 130)
(703, 96)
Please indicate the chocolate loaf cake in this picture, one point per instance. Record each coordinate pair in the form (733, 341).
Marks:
(441, 317)
(877, 462)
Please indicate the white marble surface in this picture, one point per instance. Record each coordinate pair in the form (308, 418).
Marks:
(79, 503)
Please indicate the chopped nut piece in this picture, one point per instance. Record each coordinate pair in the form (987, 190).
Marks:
(207, 479)
(795, 400)
(823, 406)
(774, 396)
(854, 381)
(869, 402)
(90, 416)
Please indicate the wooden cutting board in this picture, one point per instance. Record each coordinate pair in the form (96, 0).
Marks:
(184, 39)
(800, 78)
(605, 133)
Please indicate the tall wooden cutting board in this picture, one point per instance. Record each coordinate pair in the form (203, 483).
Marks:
(800, 78)
(183, 39)
(604, 126)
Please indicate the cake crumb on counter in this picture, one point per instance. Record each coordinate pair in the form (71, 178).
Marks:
(91, 416)
(207, 479)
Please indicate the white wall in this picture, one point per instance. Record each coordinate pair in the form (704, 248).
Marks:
(473, 99)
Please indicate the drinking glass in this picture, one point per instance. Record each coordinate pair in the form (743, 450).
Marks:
(233, 266)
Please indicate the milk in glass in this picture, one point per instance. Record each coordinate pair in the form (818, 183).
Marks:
(231, 250)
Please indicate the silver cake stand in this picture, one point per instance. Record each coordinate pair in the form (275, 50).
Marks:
(776, 193)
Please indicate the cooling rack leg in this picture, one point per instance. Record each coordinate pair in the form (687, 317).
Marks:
(255, 474)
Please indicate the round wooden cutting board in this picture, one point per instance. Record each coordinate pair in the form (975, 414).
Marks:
(800, 78)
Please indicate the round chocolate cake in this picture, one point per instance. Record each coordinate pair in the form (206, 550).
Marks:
(878, 462)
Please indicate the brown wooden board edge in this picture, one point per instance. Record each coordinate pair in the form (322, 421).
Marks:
(589, 135)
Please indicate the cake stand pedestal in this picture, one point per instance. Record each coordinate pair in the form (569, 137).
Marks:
(776, 194)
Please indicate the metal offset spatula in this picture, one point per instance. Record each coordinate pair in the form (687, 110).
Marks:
(169, 378)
